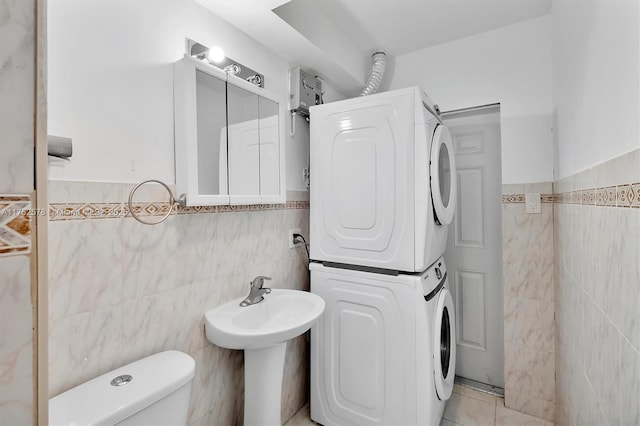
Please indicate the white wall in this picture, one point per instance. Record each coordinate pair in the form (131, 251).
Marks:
(510, 65)
(596, 81)
(111, 83)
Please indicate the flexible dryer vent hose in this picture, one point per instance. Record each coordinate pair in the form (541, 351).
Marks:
(373, 83)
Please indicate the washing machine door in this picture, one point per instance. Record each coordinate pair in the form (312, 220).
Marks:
(444, 345)
(443, 175)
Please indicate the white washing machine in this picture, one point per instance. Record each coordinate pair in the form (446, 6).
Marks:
(383, 352)
(383, 181)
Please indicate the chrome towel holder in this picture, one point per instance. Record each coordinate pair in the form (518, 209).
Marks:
(181, 201)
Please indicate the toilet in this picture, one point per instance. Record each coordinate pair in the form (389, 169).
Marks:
(151, 391)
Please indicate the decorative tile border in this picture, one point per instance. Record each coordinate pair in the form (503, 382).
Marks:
(520, 198)
(84, 211)
(15, 224)
(626, 195)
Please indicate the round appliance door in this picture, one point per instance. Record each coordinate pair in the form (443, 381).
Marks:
(443, 175)
(444, 345)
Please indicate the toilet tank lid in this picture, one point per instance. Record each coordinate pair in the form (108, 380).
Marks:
(98, 402)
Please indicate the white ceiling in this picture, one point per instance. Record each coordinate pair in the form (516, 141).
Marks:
(403, 26)
(335, 38)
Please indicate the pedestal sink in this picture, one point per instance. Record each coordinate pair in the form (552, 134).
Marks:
(262, 331)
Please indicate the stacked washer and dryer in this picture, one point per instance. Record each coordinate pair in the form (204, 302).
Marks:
(383, 192)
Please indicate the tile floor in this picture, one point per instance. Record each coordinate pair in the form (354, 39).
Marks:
(469, 407)
(466, 407)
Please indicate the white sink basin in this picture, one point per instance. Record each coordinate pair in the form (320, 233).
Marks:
(281, 316)
(263, 330)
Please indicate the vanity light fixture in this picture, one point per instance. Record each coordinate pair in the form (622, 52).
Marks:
(232, 69)
(215, 56)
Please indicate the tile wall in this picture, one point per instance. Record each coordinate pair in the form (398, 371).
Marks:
(17, 77)
(120, 290)
(597, 240)
(527, 275)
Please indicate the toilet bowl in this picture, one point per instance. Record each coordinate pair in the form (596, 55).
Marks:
(151, 391)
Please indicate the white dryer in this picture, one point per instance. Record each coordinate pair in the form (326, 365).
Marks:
(383, 352)
(383, 181)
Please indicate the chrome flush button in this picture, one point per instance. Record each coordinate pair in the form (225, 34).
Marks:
(121, 380)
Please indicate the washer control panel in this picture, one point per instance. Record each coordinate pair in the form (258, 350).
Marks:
(432, 278)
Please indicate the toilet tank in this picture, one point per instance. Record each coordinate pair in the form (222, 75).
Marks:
(158, 393)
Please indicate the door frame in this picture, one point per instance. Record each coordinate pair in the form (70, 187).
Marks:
(470, 112)
(39, 259)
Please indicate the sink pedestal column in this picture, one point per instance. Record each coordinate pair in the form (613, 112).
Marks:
(263, 369)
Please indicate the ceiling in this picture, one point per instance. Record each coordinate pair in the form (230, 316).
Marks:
(403, 26)
(335, 38)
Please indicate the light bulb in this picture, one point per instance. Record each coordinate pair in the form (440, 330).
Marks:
(216, 54)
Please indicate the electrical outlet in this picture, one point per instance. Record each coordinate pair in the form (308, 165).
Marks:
(290, 234)
(532, 203)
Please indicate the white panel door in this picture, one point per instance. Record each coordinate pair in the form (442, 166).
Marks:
(474, 246)
(361, 178)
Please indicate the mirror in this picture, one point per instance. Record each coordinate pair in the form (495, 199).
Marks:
(228, 133)
(269, 147)
(211, 129)
(243, 142)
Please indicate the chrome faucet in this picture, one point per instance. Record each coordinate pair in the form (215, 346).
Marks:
(256, 295)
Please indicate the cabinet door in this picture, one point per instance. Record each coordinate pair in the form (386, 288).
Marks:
(200, 138)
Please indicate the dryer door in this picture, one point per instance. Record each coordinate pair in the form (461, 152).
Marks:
(443, 175)
(444, 345)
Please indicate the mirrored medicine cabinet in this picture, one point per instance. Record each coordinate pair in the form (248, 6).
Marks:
(229, 138)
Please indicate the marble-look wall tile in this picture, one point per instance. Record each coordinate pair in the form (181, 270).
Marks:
(598, 301)
(623, 169)
(623, 307)
(16, 344)
(589, 411)
(148, 262)
(527, 252)
(529, 372)
(218, 388)
(630, 384)
(528, 277)
(562, 406)
(604, 380)
(17, 124)
(120, 291)
(84, 346)
(17, 76)
(296, 394)
(529, 323)
(84, 264)
(596, 276)
(507, 417)
(540, 408)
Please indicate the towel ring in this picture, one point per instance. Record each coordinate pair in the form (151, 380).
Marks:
(172, 202)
